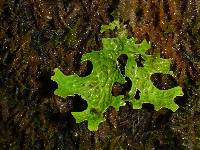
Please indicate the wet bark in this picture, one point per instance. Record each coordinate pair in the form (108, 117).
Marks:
(38, 36)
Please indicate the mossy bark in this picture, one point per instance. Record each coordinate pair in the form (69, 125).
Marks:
(38, 36)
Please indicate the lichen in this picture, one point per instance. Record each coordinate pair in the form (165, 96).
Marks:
(96, 88)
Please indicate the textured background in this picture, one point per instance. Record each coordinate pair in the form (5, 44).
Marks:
(37, 36)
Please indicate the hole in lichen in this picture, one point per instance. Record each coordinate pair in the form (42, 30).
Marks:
(79, 104)
(163, 81)
(85, 68)
(117, 89)
(137, 95)
(139, 60)
(122, 89)
(122, 60)
(127, 85)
